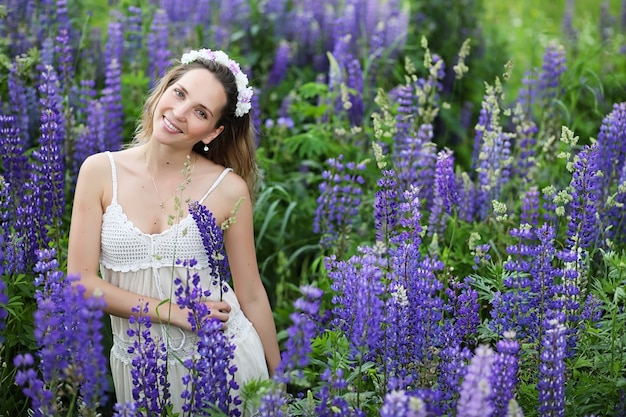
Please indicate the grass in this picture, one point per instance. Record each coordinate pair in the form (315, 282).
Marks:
(526, 26)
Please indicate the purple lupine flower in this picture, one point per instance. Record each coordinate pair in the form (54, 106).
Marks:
(583, 209)
(463, 308)
(414, 153)
(339, 201)
(128, 409)
(211, 377)
(386, 206)
(159, 54)
(567, 295)
(398, 349)
(41, 397)
(612, 161)
(402, 404)
(114, 47)
(359, 306)
(331, 402)
(302, 330)
(527, 95)
(62, 48)
(534, 305)
(406, 110)
(213, 241)
(111, 100)
(530, 207)
(68, 332)
(551, 385)
(476, 388)
(273, 404)
(22, 98)
(467, 198)
(281, 62)
(354, 82)
(12, 157)
(567, 24)
(492, 151)
(396, 28)
(452, 366)
(553, 67)
(149, 364)
(48, 167)
(525, 135)
(504, 376)
(612, 147)
(134, 32)
(445, 195)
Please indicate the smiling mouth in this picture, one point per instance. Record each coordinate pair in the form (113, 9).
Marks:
(170, 126)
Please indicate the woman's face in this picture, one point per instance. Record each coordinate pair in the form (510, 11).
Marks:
(189, 109)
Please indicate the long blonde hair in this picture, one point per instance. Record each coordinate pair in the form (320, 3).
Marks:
(234, 147)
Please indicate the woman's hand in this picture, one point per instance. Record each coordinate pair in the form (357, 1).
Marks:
(219, 310)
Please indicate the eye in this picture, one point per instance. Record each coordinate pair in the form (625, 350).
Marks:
(203, 114)
(179, 93)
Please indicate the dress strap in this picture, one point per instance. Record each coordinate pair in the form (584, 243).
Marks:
(216, 183)
(113, 177)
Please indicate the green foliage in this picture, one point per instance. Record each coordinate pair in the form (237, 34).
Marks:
(19, 339)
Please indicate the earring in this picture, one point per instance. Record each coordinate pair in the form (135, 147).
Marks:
(206, 148)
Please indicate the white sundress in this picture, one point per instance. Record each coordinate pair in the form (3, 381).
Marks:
(143, 264)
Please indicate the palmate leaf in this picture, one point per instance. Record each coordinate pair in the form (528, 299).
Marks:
(308, 145)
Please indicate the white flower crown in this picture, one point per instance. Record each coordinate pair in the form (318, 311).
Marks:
(244, 92)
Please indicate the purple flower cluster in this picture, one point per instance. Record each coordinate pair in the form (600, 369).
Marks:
(445, 195)
(317, 27)
(492, 153)
(339, 201)
(474, 397)
(213, 241)
(159, 54)
(585, 187)
(504, 377)
(68, 332)
(451, 368)
(49, 165)
(525, 135)
(149, 365)
(281, 64)
(414, 153)
(303, 328)
(611, 145)
(211, 379)
(358, 302)
(551, 385)
(331, 402)
(530, 290)
(273, 404)
(402, 404)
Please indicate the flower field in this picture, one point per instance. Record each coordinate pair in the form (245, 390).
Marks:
(440, 225)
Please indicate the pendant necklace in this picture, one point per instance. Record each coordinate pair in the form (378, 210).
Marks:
(187, 170)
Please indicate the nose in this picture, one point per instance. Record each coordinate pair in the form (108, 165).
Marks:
(179, 111)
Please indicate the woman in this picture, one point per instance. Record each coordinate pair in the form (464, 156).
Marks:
(194, 143)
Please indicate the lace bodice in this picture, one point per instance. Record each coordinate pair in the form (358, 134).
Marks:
(124, 247)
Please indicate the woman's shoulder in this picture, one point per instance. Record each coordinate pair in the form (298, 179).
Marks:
(234, 185)
(102, 160)
(95, 163)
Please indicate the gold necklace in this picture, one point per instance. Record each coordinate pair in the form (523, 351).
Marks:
(187, 170)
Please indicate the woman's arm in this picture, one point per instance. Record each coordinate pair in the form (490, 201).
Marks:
(247, 284)
(93, 191)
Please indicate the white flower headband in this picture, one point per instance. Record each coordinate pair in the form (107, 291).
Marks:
(244, 92)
